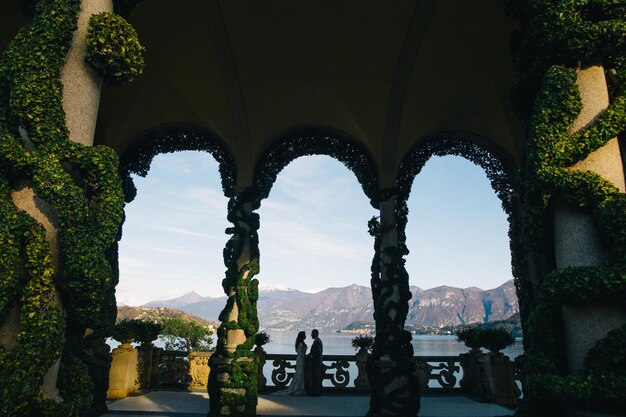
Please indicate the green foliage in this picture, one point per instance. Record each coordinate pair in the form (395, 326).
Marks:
(148, 331)
(494, 339)
(363, 342)
(557, 39)
(262, 338)
(172, 139)
(470, 336)
(83, 189)
(315, 142)
(113, 48)
(130, 330)
(189, 335)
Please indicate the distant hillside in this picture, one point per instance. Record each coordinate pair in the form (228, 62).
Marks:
(512, 324)
(336, 308)
(157, 314)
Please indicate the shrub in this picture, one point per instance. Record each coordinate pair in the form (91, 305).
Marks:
(125, 330)
(262, 338)
(470, 336)
(363, 342)
(113, 49)
(495, 339)
(189, 335)
(148, 331)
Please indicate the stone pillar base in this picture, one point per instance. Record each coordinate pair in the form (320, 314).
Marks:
(123, 376)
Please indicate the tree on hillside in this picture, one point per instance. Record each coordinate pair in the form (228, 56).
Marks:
(181, 334)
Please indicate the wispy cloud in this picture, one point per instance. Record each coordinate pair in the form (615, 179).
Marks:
(176, 250)
(295, 239)
(185, 232)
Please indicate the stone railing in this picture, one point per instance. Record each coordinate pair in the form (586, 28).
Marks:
(150, 367)
(346, 373)
(490, 375)
(183, 370)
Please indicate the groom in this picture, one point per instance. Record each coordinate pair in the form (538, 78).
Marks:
(317, 368)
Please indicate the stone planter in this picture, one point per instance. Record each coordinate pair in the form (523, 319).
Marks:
(123, 376)
(499, 380)
(361, 380)
(260, 378)
(473, 370)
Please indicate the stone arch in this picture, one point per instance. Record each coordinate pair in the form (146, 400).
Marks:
(316, 141)
(390, 280)
(499, 168)
(173, 138)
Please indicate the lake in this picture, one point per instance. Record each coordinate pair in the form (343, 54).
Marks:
(341, 344)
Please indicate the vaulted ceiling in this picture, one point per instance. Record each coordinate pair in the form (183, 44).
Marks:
(386, 74)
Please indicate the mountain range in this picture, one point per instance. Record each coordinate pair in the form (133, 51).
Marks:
(336, 308)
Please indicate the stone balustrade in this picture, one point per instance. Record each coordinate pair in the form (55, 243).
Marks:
(347, 373)
(490, 375)
(183, 370)
(150, 367)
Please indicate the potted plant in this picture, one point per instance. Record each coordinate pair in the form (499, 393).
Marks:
(471, 336)
(471, 362)
(496, 339)
(363, 342)
(147, 332)
(261, 339)
(125, 331)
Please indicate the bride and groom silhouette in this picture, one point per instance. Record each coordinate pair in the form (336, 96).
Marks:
(297, 385)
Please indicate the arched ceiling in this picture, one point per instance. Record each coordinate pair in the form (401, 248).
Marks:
(387, 74)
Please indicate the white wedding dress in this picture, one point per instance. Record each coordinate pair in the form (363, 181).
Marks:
(296, 387)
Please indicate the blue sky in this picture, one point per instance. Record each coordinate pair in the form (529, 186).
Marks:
(313, 231)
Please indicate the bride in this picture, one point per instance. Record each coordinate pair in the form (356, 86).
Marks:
(296, 387)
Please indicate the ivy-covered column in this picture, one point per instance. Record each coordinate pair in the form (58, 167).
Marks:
(61, 206)
(233, 379)
(571, 95)
(395, 387)
(82, 83)
(577, 240)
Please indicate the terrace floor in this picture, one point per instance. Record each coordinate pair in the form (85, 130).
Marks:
(196, 404)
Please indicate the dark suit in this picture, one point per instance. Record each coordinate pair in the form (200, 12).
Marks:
(317, 368)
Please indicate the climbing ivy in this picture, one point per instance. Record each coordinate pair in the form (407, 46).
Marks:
(82, 187)
(137, 160)
(316, 142)
(113, 48)
(232, 385)
(238, 391)
(556, 39)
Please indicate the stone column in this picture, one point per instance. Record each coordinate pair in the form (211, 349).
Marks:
(240, 253)
(81, 95)
(576, 239)
(123, 375)
(395, 387)
(81, 84)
